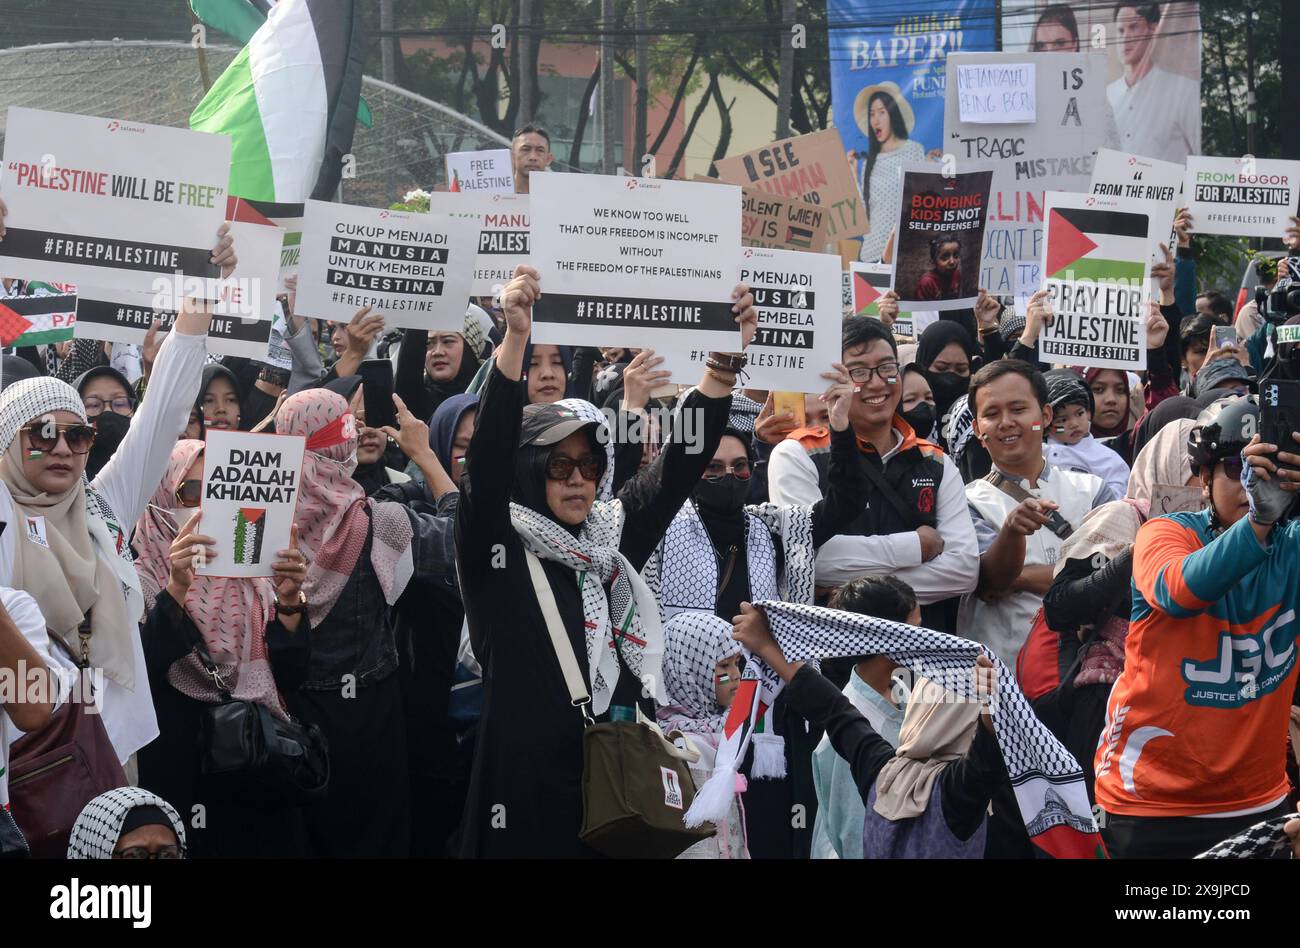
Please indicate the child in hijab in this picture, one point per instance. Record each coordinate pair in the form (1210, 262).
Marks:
(1070, 443)
(701, 675)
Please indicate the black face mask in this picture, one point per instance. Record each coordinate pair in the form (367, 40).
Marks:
(110, 429)
(921, 417)
(947, 387)
(724, 496)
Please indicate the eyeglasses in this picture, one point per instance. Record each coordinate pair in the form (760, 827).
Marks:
(122, 405)
(142, 852)
(716, 470)
(190, 492)
(560, 468)
(44, 436)
(1232, 466)
(888, 372)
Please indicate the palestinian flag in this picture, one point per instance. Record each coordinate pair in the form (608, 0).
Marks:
(870, 282)
(37, 320)
(250, 525)
(289, 101)
(798, 236)
(1098, 245)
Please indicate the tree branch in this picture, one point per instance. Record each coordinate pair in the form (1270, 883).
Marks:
(677, 101)
(690, 128)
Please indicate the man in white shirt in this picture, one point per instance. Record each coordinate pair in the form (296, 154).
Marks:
(1021, 495)
(1158, 112)
(916, 525)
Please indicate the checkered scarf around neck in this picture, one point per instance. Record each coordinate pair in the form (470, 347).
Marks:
(959, 428)
(1047, 780)
(99, 827)
(84, 567)
(619, 611)
(589, 412)
(333, 513)
(231, 614)
(694, 644)
(1266, 840)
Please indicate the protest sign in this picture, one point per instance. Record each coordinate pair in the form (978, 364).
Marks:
(887, 89)
(799, 320)
(250, 491)
(1097, 268)
(249, 291)
(414, 269)
(110, 203)
(278, 353)
(870, 281)
(769, 220)
(846, 294)
(1117, 174)
(1029, 280)
(808, 168)
(37, 320)
(288, 217)
(1245, 197)
(940, 233)
(481, 172)
(124, 316)
(503, 237)
(1054, 153)
(999, 94)
(605, 243)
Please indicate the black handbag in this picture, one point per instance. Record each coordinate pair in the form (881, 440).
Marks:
(248, 754)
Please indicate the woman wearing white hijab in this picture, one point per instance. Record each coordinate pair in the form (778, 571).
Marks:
(67, 539)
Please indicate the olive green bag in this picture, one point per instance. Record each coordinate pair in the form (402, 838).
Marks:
(636, 784)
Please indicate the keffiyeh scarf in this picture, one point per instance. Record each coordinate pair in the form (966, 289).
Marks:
(99, 827)
(619, 611)
(695, 644)
(1047, 780)
(1266, 840)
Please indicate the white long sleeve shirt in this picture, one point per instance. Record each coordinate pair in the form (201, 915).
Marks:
(792, 479)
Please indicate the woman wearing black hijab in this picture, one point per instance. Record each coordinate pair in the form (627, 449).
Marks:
(947, 357)
(430, 369)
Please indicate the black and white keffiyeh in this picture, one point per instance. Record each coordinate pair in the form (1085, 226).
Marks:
(958, 428)
(1047, 780)
(99, 827)
(618, 608)
(1266, 840)
(695, 643)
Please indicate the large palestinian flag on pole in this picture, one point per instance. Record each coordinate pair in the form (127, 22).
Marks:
(1097, 269)
(289, 101)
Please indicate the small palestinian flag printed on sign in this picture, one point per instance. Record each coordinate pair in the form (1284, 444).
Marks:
(455, 182)
(250, 524)
(798, 236)
(867, 290)
(37, 320)
(1102, 246)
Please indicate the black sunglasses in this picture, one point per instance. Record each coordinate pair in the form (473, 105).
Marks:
(560, 468)
(44, 436)
(190, 492)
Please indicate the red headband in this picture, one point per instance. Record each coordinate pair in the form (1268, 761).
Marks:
(341, 429)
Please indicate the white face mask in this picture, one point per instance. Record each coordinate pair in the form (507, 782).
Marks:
(183, 516)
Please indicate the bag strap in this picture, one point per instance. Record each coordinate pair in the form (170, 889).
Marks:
(579, 693)
(878, 481)
(1055, 522)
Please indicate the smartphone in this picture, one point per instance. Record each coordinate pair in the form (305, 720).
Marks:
(377, 391)
(1225, 337)
(789, 403)
(1279, 413)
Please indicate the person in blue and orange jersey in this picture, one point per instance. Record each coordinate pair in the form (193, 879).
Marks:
(1194, 746)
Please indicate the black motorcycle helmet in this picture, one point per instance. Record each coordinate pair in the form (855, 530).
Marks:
(1222, 430)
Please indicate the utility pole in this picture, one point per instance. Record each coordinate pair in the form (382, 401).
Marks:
(388, 53)
(642, 90)
(1251, 111)
(785, 78)
(607, 86)
(527, 68)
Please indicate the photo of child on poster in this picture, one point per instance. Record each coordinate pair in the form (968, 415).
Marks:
(940, 235)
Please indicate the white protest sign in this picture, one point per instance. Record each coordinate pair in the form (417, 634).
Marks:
(997, 94)
(278, 353)
(1117, 174)
(1029, 280)
(1053, 153)
(640, 262)
(503, 238)
(413, 269)
(1244, 197)
(124, 316)
(110, 203)
(796, 295)
(1097, 269)
(288, 217)
(481, 172)
(250, 491)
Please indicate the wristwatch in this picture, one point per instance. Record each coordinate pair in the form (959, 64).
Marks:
(296, 609)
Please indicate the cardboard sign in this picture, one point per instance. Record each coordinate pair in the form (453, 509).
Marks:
(769, 220)
(1055, 153)
(1170, 498)
(1001, 94)
(481, 172)
(940, 234)
(1029, 280)
(503, 239)
(807, 168)
(123, 316)
(37, 320)
(250, 491)
(110, 203)
(414, 269)
(1097, 268)
(1247, 197)
(798, 319)
(601, 240)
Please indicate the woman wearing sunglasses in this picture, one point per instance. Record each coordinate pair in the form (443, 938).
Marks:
(66, 542)
(530, 485)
